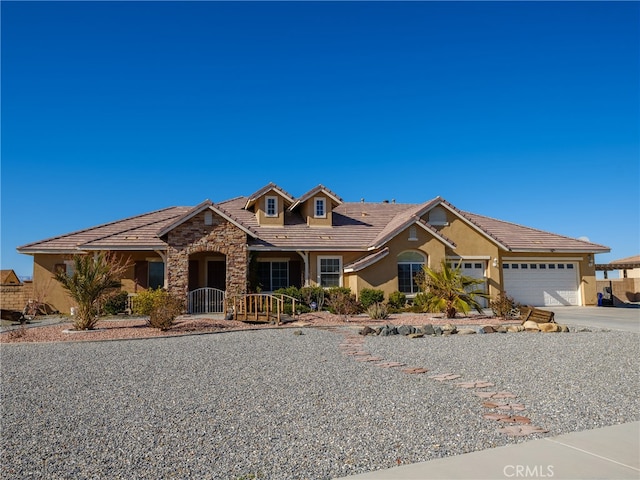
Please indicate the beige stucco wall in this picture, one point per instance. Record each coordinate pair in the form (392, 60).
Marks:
(57, 297)
(261, 211)
(308, 212)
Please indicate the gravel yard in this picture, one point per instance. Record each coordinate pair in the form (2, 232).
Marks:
(275, 404)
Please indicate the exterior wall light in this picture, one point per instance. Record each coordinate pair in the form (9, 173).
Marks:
(495, 262)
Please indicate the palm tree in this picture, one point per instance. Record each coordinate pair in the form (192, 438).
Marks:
(449, 291)
(93, 277)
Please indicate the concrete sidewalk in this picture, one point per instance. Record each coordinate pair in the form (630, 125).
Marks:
(604, 453)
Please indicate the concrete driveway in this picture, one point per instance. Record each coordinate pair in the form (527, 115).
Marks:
(613, 318)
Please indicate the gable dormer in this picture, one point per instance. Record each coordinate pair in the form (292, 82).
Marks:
(316, 206)
(269, 204)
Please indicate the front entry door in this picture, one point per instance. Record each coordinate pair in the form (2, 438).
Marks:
(217, 274)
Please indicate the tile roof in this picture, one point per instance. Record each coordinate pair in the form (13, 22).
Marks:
(357, 226)
(251, 200)
(518, 238)
(314, 191)
(633, 259)
(139, 232)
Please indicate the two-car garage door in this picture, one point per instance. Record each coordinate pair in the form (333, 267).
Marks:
(542, 283)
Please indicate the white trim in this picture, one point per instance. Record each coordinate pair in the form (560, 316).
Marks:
(468, 257)
(541, 259)
(275, 206)
(315, 207)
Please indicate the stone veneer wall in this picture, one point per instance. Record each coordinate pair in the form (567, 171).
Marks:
(193, 236)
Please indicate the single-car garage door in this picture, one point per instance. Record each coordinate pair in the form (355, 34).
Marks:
(542, 283)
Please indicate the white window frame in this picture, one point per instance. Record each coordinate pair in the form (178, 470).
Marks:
(413, 233)
(320, 272)
(275, 206)
(320, 201)
(425, 259)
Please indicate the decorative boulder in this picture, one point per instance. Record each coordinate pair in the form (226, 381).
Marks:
(466, 331)
(486, 329)
(367, 331)
(531, 326)
(549, 327)
(428, 329)
(404, 330)
(515, 328)
(449, 328)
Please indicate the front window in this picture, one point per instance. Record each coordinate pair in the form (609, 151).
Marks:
(409, 265)
(329, 271)
(320, 211)
(272, 207)
(156, 275)
(273, 275)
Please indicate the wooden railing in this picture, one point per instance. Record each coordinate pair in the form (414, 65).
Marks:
(261, 307)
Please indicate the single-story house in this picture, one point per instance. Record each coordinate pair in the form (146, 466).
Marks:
(271, 239)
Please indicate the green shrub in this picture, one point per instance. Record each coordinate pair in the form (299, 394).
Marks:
(166, 307)
(369, 296)
(421, 302)
(116, 303)
(144, 302)
(289, 291)
(397, 300)
(342, 302)
(378, 311)
(313, 294)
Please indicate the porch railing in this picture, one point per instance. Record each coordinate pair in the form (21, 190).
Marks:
(206, 300)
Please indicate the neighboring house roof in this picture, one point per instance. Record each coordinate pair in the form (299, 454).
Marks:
(9, 277)
(628, 260)
(356, 226)
(627, 263)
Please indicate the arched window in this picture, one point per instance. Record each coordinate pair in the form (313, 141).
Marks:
(409, 265)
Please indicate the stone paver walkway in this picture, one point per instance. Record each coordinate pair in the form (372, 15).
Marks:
(353, 346)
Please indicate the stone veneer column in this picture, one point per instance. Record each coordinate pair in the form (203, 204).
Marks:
(193, 236)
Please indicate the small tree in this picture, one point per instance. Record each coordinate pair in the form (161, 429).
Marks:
(93, 278)
(450, 291)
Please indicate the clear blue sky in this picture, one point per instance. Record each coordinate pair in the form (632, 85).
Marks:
(527, 112)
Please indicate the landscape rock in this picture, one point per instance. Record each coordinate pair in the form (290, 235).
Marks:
(367, 331)
(404, 330)
(486, 329)
(437, 331)
(531, 326)
(449, 328)
(549, 327)
(515, 328)
(428, 329)
(416, 335)
(466, 331)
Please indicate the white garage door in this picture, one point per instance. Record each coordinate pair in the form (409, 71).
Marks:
(542, 283)
(474, 269)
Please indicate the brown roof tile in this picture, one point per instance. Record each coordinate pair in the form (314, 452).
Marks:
(356, 226)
